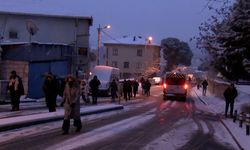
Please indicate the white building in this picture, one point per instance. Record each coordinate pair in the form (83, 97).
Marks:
(134, 55)
(39, 41)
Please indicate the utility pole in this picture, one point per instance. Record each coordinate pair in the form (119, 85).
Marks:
(99, 29)
(99, 43)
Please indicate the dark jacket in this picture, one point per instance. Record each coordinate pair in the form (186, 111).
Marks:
(230, 94)
(94, 85)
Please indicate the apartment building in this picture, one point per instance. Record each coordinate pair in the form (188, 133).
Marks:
(135, 56)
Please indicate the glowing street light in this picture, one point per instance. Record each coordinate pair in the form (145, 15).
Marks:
(150, 39)
(99, 29)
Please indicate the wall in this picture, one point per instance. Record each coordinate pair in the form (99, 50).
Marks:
(51, 29)
(21, 67)
(217, 87)
(128, 53)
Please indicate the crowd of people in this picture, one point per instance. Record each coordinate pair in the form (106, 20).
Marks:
(72, 90)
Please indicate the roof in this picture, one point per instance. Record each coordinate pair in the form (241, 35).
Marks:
(131, 40)
(41, 8)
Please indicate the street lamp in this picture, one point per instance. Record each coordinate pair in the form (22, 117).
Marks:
(149, 39)
(99, 29)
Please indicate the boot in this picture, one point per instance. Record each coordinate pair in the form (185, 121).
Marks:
(65, 126)
(78, 125)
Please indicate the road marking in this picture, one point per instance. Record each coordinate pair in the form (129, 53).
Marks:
(104, 132)
(204, 127)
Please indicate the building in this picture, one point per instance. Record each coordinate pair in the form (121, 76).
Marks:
(36, 43)
(135, 56)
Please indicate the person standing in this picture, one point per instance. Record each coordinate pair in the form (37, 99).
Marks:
(113, 89)
(125, 90)
(135, 88)
(15, 88)
(51, 90)
(147, 87)
(84, 91)
(120, 90)
(204, 87)
(230, 94)
(71, 98)
(94, 86)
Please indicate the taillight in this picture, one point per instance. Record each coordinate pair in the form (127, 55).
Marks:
(185, 86)
(164, 85)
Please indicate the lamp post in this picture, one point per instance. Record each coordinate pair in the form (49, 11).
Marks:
(99, 29)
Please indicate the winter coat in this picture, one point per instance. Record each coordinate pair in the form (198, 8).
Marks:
(204, 84)
(94, 85)
(15, 86)
(51, 90)
(230, 94)
(71, 98)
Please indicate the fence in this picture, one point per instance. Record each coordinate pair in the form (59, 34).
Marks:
(243, 118)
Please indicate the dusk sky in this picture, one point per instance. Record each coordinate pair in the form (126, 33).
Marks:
(157, 18)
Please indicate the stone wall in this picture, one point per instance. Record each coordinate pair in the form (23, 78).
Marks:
(217, 87)
(21, 67)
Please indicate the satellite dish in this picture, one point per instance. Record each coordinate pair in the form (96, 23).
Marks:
(31, 27)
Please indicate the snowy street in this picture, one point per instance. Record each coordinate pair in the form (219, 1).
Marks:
(147, 123)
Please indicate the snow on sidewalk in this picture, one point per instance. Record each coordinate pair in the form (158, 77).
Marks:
(217, 105)
(12, 122)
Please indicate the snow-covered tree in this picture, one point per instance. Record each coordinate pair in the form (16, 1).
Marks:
(226, 36)
(175, 53)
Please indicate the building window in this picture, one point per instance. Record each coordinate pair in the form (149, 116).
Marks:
(115, 52)
(83, 51)
(138, 65)
(126, 75)
(12, 34)
(114, 64)
(126, 64)
(139, 52)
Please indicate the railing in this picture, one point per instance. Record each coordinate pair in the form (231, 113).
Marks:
(243, 118)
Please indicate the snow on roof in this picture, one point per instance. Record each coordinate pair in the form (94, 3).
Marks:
(42, 8)
(131, 40)
(6, 42)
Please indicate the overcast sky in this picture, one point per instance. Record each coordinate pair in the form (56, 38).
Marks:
(157, 18)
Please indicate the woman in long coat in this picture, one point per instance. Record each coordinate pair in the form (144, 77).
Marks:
(71, 98)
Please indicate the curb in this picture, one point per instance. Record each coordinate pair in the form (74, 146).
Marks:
(56, 118)
(223, 123)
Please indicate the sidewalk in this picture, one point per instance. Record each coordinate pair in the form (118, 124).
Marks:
(35, 113)
(217, 105)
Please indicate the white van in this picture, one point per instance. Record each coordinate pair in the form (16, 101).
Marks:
(175, 86)
(105, 74)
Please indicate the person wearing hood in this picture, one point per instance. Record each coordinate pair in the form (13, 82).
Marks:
(71, 99)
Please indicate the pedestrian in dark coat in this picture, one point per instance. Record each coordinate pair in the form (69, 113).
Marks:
(71, 98)
(15, 88)
(129, 87)
(51, 89)
(113, 89)
(230, 94)
(135, 88)
(204, 87)
(142, 85)
(94, 86)
(147, 87)
(125, 89)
